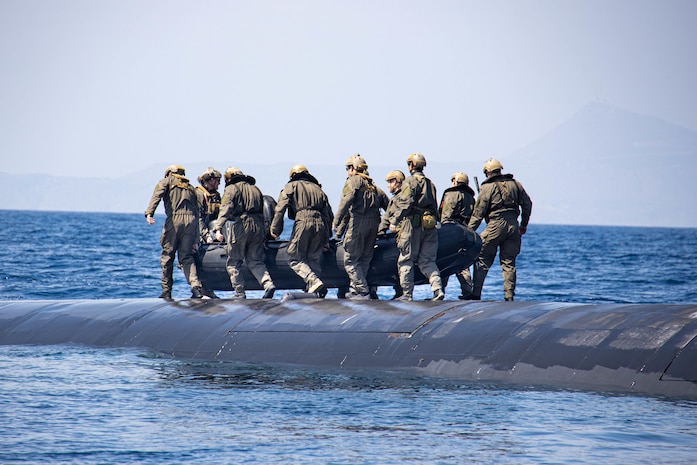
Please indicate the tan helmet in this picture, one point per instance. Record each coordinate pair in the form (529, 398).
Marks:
(176, 169)
(492, 164)
(232, 171)
(297, 169)
(417, 159)
(395, 174)
(209, 174)
(358, 163)
(460, 178)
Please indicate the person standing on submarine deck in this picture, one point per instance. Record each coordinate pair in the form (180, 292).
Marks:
(360, 207)
(308, 206)
(243, 203)
(500, 201)
(180, 233)
(416, 218)
(456, 207)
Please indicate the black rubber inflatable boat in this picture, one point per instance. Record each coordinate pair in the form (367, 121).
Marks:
(458, 247)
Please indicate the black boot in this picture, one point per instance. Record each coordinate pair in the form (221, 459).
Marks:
(197, 293)
(209, 293)
(269, 292)
(167, 295)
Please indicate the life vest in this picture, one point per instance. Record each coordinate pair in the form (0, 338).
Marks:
(212, 202)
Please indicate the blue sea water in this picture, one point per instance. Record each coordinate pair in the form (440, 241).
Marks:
(80, 405)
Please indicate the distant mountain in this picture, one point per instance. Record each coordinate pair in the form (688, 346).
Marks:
(604, 166)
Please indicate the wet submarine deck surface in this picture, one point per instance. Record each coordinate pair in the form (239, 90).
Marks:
(640, 348)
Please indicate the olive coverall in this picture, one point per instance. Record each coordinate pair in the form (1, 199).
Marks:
(500, 201)
(360, 207)
(308, 205)
(417, 245)
(456, 207)
(243, 203)
(181, 229)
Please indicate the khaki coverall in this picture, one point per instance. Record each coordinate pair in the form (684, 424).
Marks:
(243, 203)
(181, 229)
(308, 205)
(360, 207)
(417, 245)
(456, 207)
(500, 201)
(210, 208)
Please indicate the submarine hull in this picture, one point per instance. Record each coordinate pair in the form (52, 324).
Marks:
(458, 247)
(647, 349)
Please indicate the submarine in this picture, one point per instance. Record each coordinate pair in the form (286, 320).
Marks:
(645, 349)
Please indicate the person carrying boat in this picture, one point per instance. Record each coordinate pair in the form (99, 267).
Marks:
(180, 232)
(456, 207)
(416, 217)
(308, 206)
(360, 209)
(209, 200)
(500, 201)
(394, 180)
(243, 204)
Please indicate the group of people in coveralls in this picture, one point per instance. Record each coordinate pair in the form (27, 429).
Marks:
(195, 214)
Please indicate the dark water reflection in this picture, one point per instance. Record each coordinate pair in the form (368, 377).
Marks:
(76, 405)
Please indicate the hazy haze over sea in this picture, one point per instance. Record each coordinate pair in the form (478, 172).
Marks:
(604, 166)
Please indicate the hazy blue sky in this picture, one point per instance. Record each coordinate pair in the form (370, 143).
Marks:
(95, 88)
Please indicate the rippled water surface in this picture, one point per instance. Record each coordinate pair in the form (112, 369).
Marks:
(71, 404)
(77, 405)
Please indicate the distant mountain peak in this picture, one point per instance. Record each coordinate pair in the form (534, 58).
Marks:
(601, 110)
(607, 165)
(600, 130)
